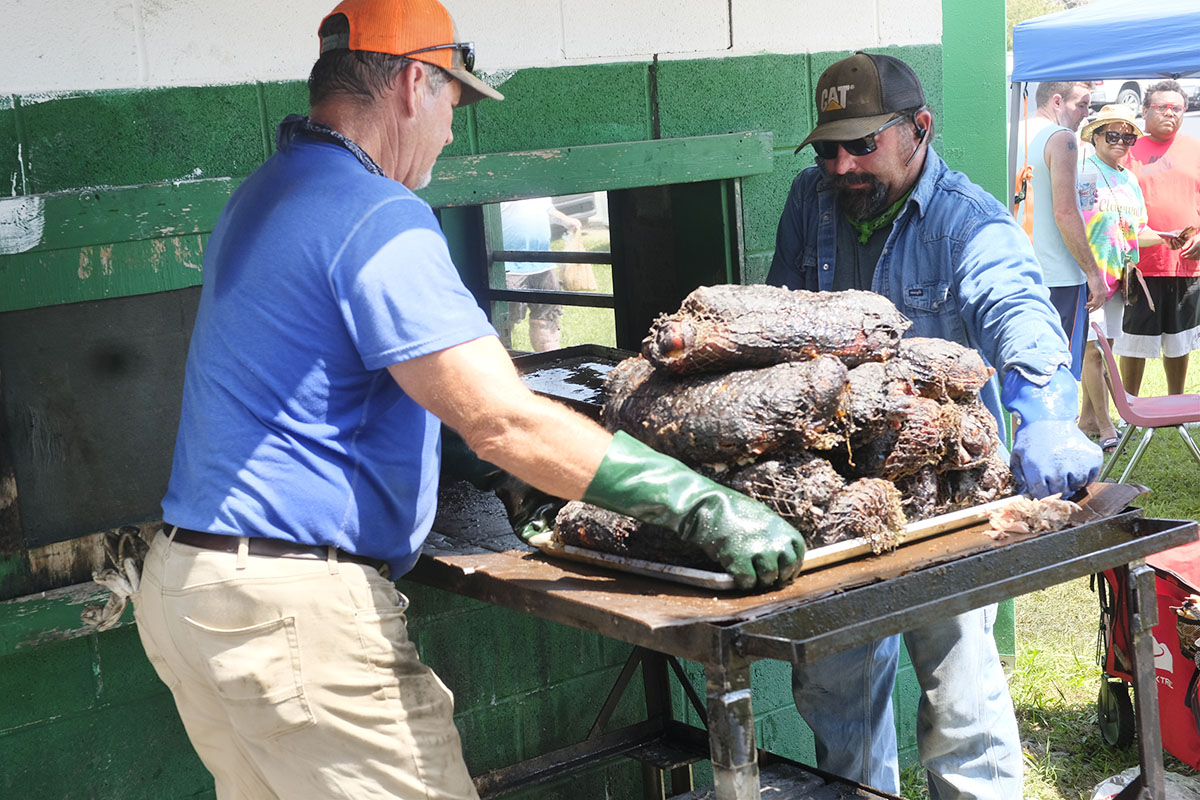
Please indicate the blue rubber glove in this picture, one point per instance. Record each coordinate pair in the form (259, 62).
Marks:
(1050, 454)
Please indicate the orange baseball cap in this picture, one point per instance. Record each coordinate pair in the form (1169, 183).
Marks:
(418, 29)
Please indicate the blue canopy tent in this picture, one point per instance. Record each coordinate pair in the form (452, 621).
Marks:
(1103, 40)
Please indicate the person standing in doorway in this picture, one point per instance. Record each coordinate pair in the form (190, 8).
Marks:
(526, 226)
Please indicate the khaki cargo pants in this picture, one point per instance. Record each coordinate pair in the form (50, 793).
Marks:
(295, 678)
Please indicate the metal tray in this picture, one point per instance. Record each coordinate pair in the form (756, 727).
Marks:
(571, 375)
(813, 559)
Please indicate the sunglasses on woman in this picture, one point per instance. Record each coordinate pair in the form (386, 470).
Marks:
(1115, 137)
(464, 50)
(864, 145)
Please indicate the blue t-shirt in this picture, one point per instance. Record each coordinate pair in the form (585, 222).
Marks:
(317, 277)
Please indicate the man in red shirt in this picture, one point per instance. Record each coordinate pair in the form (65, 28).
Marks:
(1167, 165)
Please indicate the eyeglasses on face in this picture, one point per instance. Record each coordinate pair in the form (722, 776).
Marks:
(1163, 108)
(1116, 137)
(865, 145)
(465, 51)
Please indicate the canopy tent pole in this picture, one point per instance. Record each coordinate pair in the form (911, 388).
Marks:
(1014, 117)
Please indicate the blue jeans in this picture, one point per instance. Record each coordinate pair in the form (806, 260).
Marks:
(966, 729)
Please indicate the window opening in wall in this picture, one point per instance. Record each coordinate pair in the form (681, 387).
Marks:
(550, 272)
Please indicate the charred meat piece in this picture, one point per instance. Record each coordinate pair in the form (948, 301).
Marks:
(989, 481)
(729, 418)
(974, 437)
(939, 368)
(720, 328)
(799, 488)
(878, 393)
(914, 437)
(869, 508)
(584, 525)
(920, 493)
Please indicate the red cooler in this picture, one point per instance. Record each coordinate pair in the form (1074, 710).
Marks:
(1177, 575)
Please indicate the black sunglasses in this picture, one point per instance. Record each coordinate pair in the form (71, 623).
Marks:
(865, 145)
(465, 50)
(1114, 137)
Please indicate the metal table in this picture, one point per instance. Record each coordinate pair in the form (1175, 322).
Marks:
(474, 553)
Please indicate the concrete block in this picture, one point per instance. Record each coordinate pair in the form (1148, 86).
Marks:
(624, 28)
(127, 138)
(70, 47)
(136, 751)
(224, 44)
(803, 27)
(596, 104)
(783, 732)
(123, 673)
(281, 98)
(763, 197)
(44, 682)
(699, 97)
(910, 22)
(509, 34)
(12, 183)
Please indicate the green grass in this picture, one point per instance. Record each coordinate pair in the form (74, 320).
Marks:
(1056, 679)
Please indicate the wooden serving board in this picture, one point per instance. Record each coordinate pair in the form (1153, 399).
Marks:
(813, 559)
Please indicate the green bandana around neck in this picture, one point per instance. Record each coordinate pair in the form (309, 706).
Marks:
(868, 227)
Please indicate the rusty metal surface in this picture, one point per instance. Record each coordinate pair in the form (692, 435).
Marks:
(473, 552)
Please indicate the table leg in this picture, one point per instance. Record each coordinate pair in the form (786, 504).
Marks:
(1143, 614)
(731, 733)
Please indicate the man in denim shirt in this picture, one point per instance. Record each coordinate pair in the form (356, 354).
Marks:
(881, 211)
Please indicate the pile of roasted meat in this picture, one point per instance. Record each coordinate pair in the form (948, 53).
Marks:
(811, 402)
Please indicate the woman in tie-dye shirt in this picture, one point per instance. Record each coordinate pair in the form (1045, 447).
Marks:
(1114, 213)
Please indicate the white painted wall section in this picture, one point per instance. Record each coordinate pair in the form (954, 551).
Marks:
(634, 28)
(61, 46)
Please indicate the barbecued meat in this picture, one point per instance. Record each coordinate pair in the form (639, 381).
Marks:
(849, 433)
(804, 490)
(930, 492)
(965, 488)
(940, 368)
(720, 328)
(920, 493)
(869, 508)
(913, 437)
(799, 488)
(732, 417)
(972, 438)
(878, 393)
(594, 528)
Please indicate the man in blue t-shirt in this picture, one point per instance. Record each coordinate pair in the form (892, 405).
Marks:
(333, 339)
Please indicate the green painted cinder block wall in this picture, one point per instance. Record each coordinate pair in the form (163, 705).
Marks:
(520, 683)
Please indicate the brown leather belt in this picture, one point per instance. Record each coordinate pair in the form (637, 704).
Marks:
(261, 546)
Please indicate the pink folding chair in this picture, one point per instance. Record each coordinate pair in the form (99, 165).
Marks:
(1145, 413)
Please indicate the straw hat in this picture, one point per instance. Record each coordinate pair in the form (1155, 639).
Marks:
(1118, 112)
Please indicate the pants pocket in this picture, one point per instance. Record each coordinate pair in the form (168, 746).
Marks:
(256, 671)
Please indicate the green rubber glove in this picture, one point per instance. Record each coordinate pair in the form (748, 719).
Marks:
(748, 539)
(530, 511)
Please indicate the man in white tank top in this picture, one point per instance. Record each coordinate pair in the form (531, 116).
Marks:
(1059, 240)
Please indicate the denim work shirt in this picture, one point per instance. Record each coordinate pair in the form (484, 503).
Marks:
(955, 263)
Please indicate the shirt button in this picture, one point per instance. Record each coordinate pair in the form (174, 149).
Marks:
(825, 217)
(824, 266)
